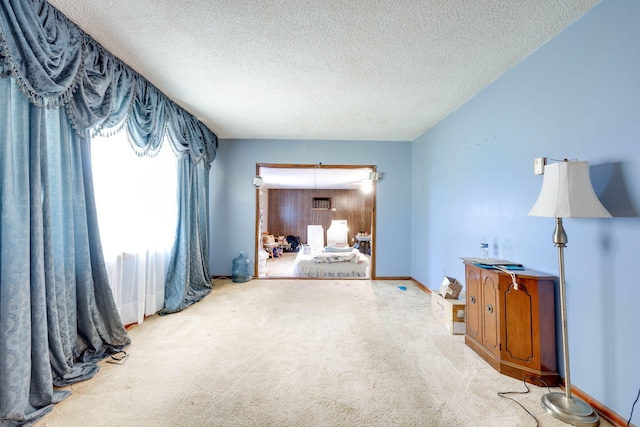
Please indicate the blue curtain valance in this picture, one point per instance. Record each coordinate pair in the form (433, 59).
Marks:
(55, 63)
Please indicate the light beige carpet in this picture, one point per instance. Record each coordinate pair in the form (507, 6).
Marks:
(299, 353)
(281, 266)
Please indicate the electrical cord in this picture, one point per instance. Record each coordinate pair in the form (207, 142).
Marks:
(118, 358)
(633, 406)
(504, 394)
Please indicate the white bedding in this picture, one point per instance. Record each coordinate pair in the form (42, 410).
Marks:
(331, 264)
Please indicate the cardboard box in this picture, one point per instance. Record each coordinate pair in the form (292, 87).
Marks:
(268, 238)
(449, 312)
(450, 288)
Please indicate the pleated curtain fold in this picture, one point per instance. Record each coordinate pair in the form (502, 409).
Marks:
(57, 312)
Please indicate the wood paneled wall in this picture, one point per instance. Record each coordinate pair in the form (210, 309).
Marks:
(290, 211)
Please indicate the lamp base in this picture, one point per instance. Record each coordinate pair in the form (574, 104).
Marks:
(571, 410)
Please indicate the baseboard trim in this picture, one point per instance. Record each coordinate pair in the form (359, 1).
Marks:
(329, 278)
(391, 278)
(421, 286)
(601, 409)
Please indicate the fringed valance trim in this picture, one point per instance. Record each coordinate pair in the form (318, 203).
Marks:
(104, 132)
(101, 94)
(23, 65)
(48, 101)
(149, 150)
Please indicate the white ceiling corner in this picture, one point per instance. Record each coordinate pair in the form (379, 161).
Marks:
(333, 70)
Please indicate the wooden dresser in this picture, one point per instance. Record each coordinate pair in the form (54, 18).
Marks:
(512, 329)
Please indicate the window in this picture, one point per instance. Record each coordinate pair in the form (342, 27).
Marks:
(322, 203)
(136, 200)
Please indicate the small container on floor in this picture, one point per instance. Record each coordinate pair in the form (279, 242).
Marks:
(240, 270)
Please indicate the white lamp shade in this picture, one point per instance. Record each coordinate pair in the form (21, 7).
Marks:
(567, 193)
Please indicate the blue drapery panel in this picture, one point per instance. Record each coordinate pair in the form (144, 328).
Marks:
(55, 63)
(190, 252)
(57, 316)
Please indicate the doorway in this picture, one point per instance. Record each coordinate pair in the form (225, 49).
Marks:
(292, 197)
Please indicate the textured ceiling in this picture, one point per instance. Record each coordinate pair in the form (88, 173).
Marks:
(322, 69)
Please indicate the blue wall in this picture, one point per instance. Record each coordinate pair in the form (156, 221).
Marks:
(233, 196)
(472, 176)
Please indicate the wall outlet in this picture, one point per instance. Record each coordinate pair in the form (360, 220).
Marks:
(538, 165)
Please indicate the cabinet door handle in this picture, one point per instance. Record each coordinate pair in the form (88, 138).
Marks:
(473, 299)
(489, 308)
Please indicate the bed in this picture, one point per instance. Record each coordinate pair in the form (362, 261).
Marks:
(331, 262)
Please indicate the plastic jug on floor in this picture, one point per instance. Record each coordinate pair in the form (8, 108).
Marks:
(240, 270)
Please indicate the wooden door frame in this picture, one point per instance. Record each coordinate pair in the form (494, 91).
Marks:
(322, 166)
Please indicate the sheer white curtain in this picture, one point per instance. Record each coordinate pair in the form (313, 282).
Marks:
(137, 210)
